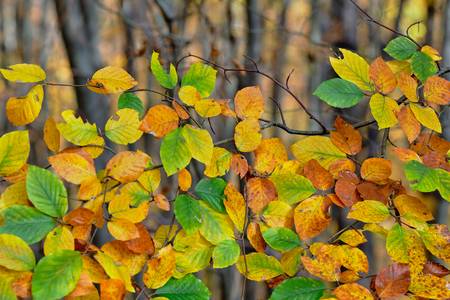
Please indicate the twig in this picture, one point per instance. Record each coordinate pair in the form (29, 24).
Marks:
(334, 236)
(384, 142)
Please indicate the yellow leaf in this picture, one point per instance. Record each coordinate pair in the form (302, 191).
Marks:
(311, 216)
(150, 180)
(96, 147)
(24, 110)
(219, 164)
(383, 109)
(76, 131)
(199, 143)
(127, 166)
(58, 239)
(353, 68)
(111, 80)
(160, 120)
(427, 117)
(89, 188)
(15, 254)
(352, 291)
(125, 130)
(114, 271)
(259, 266)
(121, 255)
(123, 230)
(14, 194)
(247, 136)
(14, 151)
(406, 204)
(235, 206)
(431, 52)
(160, 268)
(184, 180)
(189, 95)
(436, 239)
(72, 167)
(353, 237)
(249, 103)
(382, 76)
(319, 148)
(24, 73)
(208, 108)
(376, 169)
(135, 214)
(290, 261)
(269, 154)
(93, 269)
(369, 211)
(51, 135)
(278, 214)
(437, 90)
(429, 286)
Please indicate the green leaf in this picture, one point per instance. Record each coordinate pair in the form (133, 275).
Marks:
(215, 227)
(339, 93)
(292, 188)
(199, 143)
(202, 77)
(396, 244)
(167, 80)
(187, 288)
(46, 191)
(281, 239)
(56, 275)
(401, 48)
(188, 213)
(299, 288)
(423, 66)
(212, 191)
(130, 100)
(175, 154)
(6, 290)
(15, 254)
(259, 266)
(27, 223)
(225, 254)
(427, 180)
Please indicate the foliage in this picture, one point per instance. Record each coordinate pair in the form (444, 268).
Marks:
(280, 205)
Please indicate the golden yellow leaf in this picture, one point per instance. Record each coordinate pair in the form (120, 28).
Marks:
(311, 216)
(160, 268)
(24, 110)
(14, 194)
(376, 169)
(184, 180)
(369, 211)
(255, 237)
(437, 90)
(249, 103)
(134, 214)
(189, 95)
(269, 154)
(429, 286)
(127, 166)
(319, 148)
(58, 239)
(124, 130)
(382, 76)
(352, 291)
(111, 80)
(76, 131)
(260, 191)
(431, 52)
(353, 68)
(235, 206)
(353, 237)
(427, 117)
(159, 120)
(89, 188)
(122, 230)
(247, 136)
(72, 167)
(115, 271)
(122, 256)
(208, 108)
(24, 73)
(278, 214)
(51, 135)
(406, 204)
(93, 269)
(112, 289)
(383, 109)
(219, 164)
(14, 151)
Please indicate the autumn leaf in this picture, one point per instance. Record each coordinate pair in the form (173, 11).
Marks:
(249, 103)
(239, 164)
(437, 90)
(127, 166)
(383, 109)
(375, 169)
(208, 108)
(319, 148)
(189, 95)
(15, 254)
(427, 117)
(220, 163)
(51, 135)
(353, 68)
(184, 180)
(311, 216)
(235, 206)
(269, 154)
(393, 281)
(75, 130)
(408, 86)
(408, 123)
(24, 110)
(159, 120)
(160, 268)
(259, 266)
(72, 167)
(352, 291)
(124, 130)
(382, 76)
(345, 137)
(369, 211)
(58, 239)
(409, 205)
(14, 151)
(255, 237)
(247, 136)
(199, 143)
(111, 80)
(260, 191)
(319, 177)
(24, 73)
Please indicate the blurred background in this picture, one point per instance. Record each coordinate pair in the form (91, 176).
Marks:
(71, 39)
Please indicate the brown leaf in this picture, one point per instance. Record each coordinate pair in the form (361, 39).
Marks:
(79, 216)
(346, 138)
(408, 123)
(435, 269)
(393, 280)
(162, 202)
(371, 191)
(260, 191)
(345, 188)
(239, 165)
(255, 237)
(318, 175)
(142, 244)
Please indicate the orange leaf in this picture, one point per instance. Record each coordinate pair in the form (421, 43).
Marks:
(79, 216)
(235, 206)
(51, 135)
(239, 165)
(341, 165)
(160, 268)
(260, 191)
(159, 120)
(72, 167)
(184, 180)
(269, 154)
(437, 90)
(311, 216)
(123, 230)
(112, 289)
(318, 175)
(143, 244)
(352, 291)
(181, 112)
(255, 237)
(405, 154)
(127, 166)
(408, 123)
(346, 138)
(376, 169)
(249, 103)
(382, 76)
(84, 287)
(162, 202)
(408, 86)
